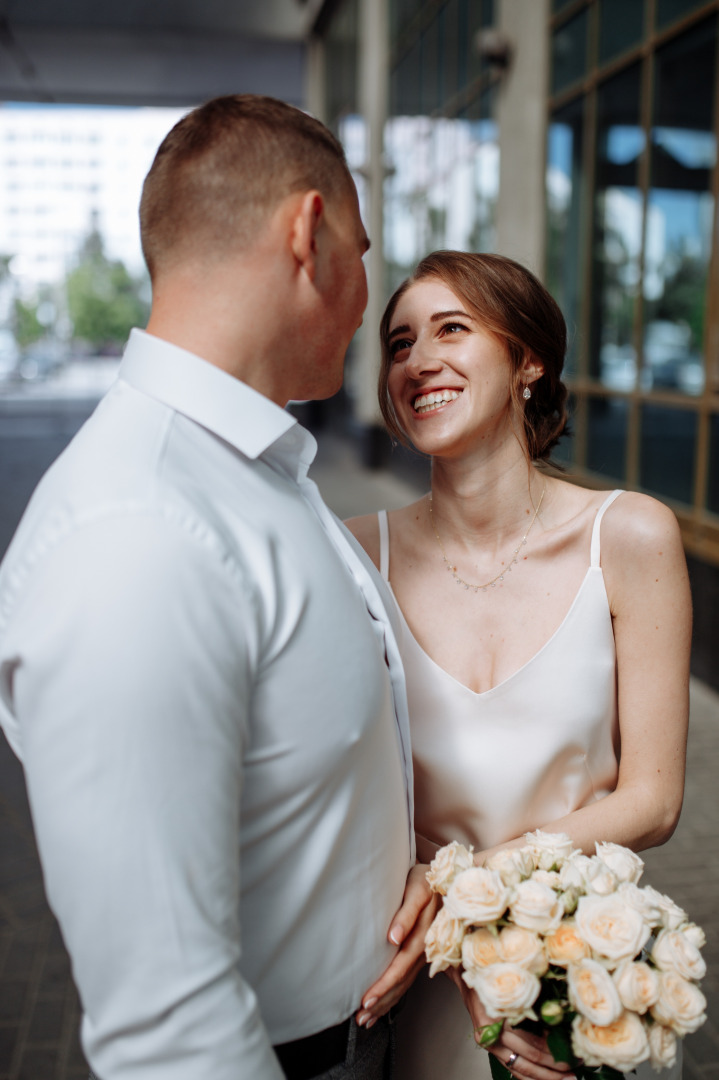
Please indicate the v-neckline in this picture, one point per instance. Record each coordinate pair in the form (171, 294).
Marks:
(515, 674)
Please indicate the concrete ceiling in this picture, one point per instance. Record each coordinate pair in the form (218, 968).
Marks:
(152, 52)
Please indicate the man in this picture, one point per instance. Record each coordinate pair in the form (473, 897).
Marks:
(196, 667)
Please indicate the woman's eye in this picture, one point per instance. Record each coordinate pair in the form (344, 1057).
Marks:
(399, 346)
(453, 327)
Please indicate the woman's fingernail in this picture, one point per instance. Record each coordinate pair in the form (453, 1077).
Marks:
(372, 1022)
(363, 1018)
(369, 1003)
(396, 934)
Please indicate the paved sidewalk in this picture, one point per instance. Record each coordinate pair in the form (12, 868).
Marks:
(39, 1013)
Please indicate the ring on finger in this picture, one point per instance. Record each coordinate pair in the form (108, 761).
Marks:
(511, 1060)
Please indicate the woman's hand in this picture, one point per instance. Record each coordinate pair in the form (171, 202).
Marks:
(408, 930)
(533, 1060)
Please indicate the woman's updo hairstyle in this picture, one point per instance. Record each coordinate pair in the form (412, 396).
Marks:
(509, 302)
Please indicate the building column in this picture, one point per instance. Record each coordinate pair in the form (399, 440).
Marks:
(373, 102)
(522, 121)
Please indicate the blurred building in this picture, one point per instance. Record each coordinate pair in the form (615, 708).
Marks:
(579, 137)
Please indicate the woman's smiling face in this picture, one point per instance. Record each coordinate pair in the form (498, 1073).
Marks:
(450, 379)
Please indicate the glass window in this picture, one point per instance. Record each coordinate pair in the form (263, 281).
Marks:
(607, 436)
(617, 225)
(559, 5)
(406, 84)
(620, 26)
(431, 62)
(668, 439)
(680, 212)
(569, 51)
(454, 67)
(713, 487)
(564, 205)
(669, 10)
(341, 76)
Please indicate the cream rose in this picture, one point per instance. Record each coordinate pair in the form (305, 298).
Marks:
(662, 1047)
(478, 896)
(574, 874)
(480, 948)
(512, 864)
(673, 951)
(624, 863)
(523, 947)
(592, 992)
(443, 943)
(447, 863)
(695, 935)
(507, 991)
(565, 946)
(672, 915)
(612, 929)
(549, 850)
(536, 907)
(601, 881)
(681, 1005)
(642, 900)
(638, 985)
(622, 1045)
(552, 878)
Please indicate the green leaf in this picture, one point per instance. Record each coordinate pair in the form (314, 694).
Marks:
(499, 1072)
(488, 1035)
(559, 1045)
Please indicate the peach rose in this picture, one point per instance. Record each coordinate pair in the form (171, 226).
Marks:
(681, 1005)
(478, 896)
(447, 863)
(480, 948)
(638, 985)
(673, 951)
(443, 943)
(523, 947)
(507, 991)
(613, 930)
(536, 907)
(592, 992)
(622, 1045)
(566, 946)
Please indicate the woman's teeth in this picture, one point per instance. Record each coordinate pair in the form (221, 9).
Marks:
(427, 402)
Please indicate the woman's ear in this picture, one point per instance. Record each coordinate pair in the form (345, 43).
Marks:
(307, 221)
(531, 370)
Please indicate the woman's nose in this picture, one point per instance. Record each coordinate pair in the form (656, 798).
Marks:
(422, 358)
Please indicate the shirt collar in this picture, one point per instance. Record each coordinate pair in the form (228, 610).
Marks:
(219, 402)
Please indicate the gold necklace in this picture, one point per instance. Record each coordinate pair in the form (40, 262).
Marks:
(500, 576)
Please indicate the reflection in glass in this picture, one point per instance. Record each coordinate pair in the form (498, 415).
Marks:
(668, 440)
(620, 26)
(713, 485)
(680, 212)
(564, 205)
(569, 51)
(442, 189)
(669, 10)
(607, 436)
(617, 225)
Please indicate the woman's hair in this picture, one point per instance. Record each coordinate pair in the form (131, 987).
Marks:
(222, 170)
(514, 306)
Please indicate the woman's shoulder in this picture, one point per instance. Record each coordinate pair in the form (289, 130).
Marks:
(365, 528)
(640, 521)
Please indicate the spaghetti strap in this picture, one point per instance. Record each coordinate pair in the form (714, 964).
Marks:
(594, 559)
(383, 544)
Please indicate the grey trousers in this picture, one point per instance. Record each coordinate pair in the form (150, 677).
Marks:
(370, 1054)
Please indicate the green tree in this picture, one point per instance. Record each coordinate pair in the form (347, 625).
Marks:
(104, 301)
(26, 325)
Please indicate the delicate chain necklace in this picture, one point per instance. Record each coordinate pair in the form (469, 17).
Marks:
(500, 576)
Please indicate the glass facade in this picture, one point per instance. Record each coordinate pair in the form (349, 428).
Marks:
(631, 188)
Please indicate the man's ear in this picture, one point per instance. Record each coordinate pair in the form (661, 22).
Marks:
(308, 219)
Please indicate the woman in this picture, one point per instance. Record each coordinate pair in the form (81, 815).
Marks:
(546, 626)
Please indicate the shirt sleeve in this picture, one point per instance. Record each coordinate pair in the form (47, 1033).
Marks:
(134, 644)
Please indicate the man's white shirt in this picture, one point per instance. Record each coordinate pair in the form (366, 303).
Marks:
(198, 672)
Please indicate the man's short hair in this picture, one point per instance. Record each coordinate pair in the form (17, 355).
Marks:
(223, 169)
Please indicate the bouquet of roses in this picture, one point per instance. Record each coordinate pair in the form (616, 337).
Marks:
(570, 945)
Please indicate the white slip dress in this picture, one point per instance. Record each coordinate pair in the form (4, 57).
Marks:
(491, 766)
